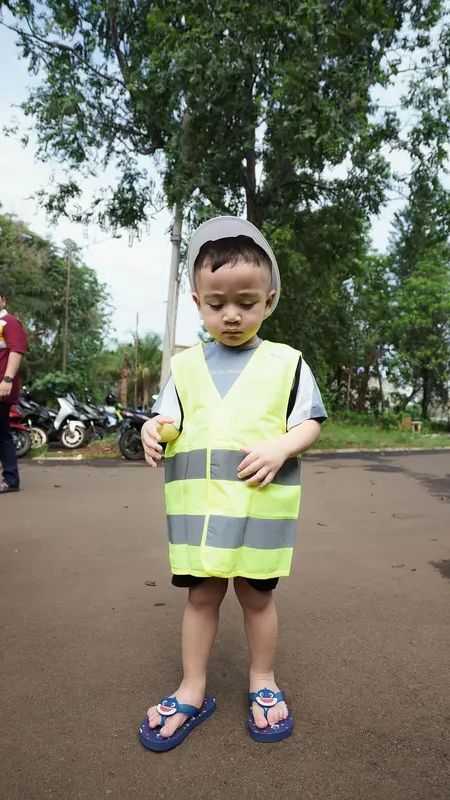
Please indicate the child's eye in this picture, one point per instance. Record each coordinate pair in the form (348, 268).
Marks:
(215, 307)
(247, 305)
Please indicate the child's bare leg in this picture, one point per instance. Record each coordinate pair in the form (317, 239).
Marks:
(200, 623)
(261, 628)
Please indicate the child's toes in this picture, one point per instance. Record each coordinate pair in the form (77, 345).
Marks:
(172, 724)
(277, 713)
(154, 718)
(258, 716)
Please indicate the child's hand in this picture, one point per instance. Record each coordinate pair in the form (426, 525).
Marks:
(262, 462)
(150, 435)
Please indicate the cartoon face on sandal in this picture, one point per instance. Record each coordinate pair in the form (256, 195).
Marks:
(266, 698)
(167, 707)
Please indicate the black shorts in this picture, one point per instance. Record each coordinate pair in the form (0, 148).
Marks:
(186, 581)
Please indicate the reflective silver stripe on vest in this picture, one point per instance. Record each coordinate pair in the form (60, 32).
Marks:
(186, 465)
(224, 464)
(264, 534)
(185, 528)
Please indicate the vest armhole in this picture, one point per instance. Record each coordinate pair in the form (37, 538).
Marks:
(181, 409)
(294, 390)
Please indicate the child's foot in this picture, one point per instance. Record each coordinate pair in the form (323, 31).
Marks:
(189, 693)
(277, 712)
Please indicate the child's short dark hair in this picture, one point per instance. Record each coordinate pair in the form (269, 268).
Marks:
(215, 254)
(2, 294)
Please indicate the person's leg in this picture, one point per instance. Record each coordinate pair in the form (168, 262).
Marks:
(261, 628)
(200, 623)
(8, 455)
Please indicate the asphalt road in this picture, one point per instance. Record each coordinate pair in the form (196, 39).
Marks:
(86, 643)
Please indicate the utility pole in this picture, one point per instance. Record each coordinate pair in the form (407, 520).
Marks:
(172, 297)
(66, 308)
(136, 359)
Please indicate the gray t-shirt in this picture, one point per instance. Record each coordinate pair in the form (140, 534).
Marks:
(225, 364)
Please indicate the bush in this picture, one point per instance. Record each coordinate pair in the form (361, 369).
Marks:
(56, 384)
(390, 421)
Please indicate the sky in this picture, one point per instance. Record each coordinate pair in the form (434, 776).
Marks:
(136, 272)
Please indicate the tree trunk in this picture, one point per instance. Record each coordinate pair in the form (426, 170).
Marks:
(362, 389)
(349, 388)
(426, 392)
(146, 387)
(380, 384)
(123, 384)
(253, 212)
(253, 209)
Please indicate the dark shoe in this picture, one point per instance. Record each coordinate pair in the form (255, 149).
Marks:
(5, 487)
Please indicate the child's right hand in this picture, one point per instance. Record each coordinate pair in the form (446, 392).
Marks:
(151, 436)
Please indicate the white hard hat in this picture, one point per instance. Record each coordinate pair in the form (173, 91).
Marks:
(224, 227)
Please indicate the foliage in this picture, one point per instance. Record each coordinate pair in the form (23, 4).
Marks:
(268, 105)
(106, 369)
(421, 329)
(55, 384)
(420, 255)
(33, 275)
(272, 109)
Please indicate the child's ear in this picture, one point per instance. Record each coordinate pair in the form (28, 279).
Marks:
(269, 299)
(196, 300)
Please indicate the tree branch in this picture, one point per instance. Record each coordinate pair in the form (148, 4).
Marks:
(54, 45)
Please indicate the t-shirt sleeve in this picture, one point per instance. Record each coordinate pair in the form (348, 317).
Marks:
(308, 402)
(167, 403)
(15, 336)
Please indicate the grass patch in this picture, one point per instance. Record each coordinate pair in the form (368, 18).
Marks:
(342, 435)
(38, 452)
(100, 448)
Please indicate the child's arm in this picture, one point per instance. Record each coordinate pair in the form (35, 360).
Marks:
(155, 430)
(262, 461)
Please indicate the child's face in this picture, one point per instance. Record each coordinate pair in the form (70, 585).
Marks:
(232, 301)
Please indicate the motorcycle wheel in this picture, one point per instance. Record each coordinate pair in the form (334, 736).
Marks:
(38, 437)
(22, 442)
(99, 432)
(130, 445)
(73, 439)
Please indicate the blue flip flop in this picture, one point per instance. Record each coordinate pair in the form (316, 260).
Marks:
(151, 737)
(266, 698)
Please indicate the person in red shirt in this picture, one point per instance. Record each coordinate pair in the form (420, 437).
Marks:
(13, 345)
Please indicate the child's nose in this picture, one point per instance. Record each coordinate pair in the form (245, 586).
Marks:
(231, 313)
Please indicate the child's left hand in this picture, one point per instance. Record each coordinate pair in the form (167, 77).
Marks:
(262, 462)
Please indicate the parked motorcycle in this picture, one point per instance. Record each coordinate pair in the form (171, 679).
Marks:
(19, 431)
(93, 417)
(113, 413)
(130, 444)
(68, 425)
(37, 417)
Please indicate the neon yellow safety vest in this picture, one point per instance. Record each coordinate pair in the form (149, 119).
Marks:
(218, 525)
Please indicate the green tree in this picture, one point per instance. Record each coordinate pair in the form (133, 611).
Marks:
(268, 106)
(265, 108)
(33, 275)
(421, 329)
(420, 253)
(366, 333)
(106, 370)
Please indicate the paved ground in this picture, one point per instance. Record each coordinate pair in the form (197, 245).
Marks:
(86, 644)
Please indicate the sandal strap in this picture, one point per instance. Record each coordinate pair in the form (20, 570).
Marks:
(279, 696)
(169, 706)
(259, 696)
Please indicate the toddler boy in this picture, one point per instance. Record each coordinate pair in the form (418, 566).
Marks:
(236, 413)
